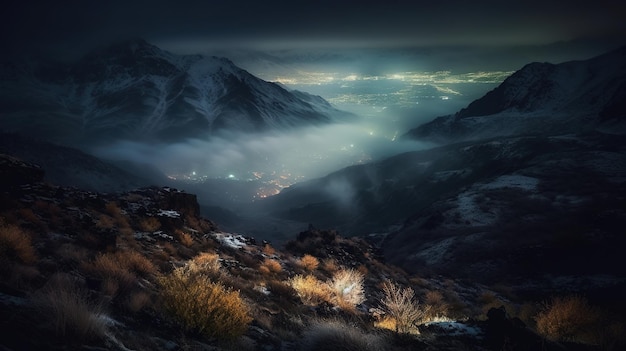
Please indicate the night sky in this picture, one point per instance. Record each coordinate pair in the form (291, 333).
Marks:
(71, 27)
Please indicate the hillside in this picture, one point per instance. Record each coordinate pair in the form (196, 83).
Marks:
(127, 271)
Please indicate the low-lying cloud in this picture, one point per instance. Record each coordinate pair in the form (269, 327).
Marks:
(297, 154)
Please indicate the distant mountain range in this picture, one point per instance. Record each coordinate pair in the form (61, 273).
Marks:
(137, 91)
(543, 98)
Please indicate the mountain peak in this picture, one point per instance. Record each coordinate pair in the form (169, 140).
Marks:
(134, 90)
(569, 97)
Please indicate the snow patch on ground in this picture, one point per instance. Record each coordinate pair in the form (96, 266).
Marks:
(513, 181)
(470, 213)
(168, 213)
(457, 328)
(236, 241)
(435, 253)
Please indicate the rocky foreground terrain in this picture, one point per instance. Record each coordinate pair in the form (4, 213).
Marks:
(141, 270)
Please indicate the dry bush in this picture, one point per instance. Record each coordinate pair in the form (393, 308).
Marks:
(339, 336)
(437, 306)
(280, 289)
(112, 209)
(269, 250)
(202, 306)
(185, 238)
(569, 318)
(207, 261)
(119, 270)
(330, 265)
(347, 287)
(270, 266)
(150, 224)
(399, 304)
(310, 290)
(105, 222)
(308, 262)
(67, 310)
(16, 245)
(138, 300)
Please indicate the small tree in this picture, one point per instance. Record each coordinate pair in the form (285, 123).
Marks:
(400, 305)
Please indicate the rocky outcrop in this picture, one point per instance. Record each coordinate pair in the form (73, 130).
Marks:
(15, 172)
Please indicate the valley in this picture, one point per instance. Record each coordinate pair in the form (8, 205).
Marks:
(487, 194)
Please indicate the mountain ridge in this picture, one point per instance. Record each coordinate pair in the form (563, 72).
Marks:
(134, 90)
(569, 97)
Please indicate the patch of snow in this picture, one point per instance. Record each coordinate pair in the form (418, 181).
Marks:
(435, 253)
(513, 181)
(236, 241)
(168, 213)
(457, 328)
(471, 213)
(161, 234)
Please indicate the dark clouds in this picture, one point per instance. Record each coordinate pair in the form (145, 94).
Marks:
(74, 25)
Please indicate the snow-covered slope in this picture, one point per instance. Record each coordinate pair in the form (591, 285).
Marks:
(135, 90)
(542, 98)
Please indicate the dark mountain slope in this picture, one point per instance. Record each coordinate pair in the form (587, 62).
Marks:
(542, 98)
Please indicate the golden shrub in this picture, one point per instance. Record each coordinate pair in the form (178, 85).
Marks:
(569, 318)
(269, 250)
(270, 266)
(185, 238)
(203, 306)
(308, 262)
(347, 287)
(311, 290)
(207, 261)
(15, 244)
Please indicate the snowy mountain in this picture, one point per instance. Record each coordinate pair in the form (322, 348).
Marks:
(543, 98)
(134, 90)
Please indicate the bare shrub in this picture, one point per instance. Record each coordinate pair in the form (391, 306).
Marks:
(311, 290)
(67, 311)
(347, 287)
(399, 305)
(339, 336)
(308, 262)
(202, 306)
(569, 318)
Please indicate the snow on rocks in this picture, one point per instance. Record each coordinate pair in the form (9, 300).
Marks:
(454, 328)
(235, 241)
(168, 213)
(513, 181)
